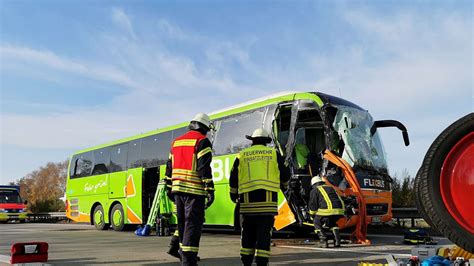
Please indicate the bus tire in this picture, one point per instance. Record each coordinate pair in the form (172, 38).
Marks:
(98, 218)
(117, 217)
(419, 203)
(450, 214)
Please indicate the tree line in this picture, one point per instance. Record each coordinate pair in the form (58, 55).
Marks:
(403, 192)
(44, 187)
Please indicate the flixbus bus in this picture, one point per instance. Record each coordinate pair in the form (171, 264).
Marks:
(115, 183)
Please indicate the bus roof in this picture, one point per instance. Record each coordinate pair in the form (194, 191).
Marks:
(254, 101)
(253, 104)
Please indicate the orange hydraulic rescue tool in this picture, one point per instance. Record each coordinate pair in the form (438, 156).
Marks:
(360, 234)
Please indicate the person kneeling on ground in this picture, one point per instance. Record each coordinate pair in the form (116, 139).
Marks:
(327, 207)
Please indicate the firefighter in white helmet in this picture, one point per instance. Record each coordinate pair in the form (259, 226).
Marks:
(256, 177)
(326, 207)
(189, 183)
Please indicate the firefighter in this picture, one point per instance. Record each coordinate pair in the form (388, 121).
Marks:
(256, 177)
(174, 246)
(189, 183)
(327, 207)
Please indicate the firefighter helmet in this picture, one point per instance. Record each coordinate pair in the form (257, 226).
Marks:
(203, 119)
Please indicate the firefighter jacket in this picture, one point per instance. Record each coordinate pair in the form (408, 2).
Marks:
(256, 177)
(189, 168)
(324, 201)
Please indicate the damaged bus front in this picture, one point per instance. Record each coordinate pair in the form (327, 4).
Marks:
(304, 129)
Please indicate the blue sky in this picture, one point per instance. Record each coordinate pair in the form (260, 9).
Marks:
(74, 74)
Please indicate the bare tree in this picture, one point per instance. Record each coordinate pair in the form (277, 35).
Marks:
(403, 193)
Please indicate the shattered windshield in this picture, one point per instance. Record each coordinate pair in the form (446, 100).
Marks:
(360, 149)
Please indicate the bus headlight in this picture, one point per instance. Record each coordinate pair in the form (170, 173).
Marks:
(3, 210)
(22, 210)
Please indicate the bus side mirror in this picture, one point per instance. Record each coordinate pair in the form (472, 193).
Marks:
(25, 202)
(391, 123)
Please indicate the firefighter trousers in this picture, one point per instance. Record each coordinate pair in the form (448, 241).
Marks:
(323, 222)
(190, 213)
(256, 238)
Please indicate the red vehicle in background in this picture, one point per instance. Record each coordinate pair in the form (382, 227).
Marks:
(12, 207)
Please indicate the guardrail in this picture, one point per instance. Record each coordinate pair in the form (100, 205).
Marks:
(406, 213)
(47, 217)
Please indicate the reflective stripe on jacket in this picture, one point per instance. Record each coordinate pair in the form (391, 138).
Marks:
(258, 202)
(184, 176)
(258, 169)
(324, 201)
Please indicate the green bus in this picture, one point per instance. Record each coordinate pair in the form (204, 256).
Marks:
(115, 183)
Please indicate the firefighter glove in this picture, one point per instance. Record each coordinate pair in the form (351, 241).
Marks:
(210, 199)
(170, 196)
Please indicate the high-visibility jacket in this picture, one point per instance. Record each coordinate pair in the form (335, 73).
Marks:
(258, 169)
(184, 175)
(324, 201)
(302, 152)
(256, 177)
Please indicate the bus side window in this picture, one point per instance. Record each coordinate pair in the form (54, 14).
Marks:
(72, 166)
(84, 165)
(134, 154)
(118, 158)
(177, 133)
(155, 149)
(101, 161)
(230, 137)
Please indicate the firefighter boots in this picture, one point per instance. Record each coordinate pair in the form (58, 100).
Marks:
(323, 243)
(337, 237)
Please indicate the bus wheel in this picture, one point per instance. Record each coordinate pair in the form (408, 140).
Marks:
(446, 184)
(99, 218)
(419, 204)
(117, 217)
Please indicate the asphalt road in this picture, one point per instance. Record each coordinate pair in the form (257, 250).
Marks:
(79, 244)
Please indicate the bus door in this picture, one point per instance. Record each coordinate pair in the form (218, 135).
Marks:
(298, 133)
(118, 179)
(305, 144)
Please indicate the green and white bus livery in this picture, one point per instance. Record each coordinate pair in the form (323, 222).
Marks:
(115, 183)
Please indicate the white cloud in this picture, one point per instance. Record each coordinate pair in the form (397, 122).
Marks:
(173, 31)
(162, 89)
(409, 62)
(20, 54)
(123, 21)
(408, 68)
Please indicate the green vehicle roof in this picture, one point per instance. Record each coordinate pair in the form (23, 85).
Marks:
(257, 103)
